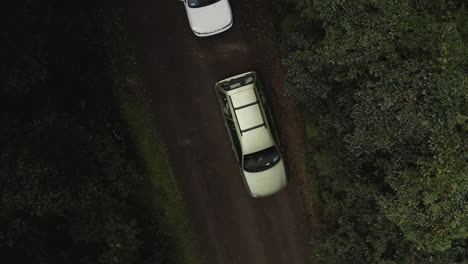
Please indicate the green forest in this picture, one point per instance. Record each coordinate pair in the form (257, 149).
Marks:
(72, 188)
(384, 89)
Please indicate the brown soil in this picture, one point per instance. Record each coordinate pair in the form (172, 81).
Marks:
(180, 70)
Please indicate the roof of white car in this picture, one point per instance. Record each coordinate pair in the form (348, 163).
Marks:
(254, 133)
(243, 96)
(256, 140)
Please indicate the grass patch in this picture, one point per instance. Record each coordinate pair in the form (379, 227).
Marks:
(165, 194)
(131, 97)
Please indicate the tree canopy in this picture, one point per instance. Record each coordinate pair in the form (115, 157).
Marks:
(385, 84)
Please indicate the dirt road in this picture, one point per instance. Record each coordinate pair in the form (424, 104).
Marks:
(180, 71)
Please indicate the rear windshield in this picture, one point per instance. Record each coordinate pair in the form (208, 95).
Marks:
(201, 3)
(261, 160)
(238, 82)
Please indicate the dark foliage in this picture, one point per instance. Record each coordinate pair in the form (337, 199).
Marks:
(71, 190)
(385, 86)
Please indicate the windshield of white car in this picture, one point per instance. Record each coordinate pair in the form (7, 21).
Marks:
(261, 160)
(201, 3)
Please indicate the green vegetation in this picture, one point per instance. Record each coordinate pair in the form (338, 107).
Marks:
(136, 112)
(385, 87)
(83, 176)
(166, 196)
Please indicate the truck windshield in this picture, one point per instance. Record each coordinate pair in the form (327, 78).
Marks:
(201, 3)
(261, 160)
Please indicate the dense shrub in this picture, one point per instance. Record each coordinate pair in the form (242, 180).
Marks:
(386, 84)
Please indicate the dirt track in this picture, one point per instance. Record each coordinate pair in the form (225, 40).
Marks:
(180, 71)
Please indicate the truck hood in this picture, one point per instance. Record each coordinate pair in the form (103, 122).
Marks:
(210, 19)
(267, 182)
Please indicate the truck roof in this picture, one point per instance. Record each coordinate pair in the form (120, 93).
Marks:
(255, 135)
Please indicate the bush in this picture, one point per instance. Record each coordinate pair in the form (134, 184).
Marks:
(389, 79)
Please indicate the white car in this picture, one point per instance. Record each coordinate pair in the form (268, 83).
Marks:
(252, 132)
(208, 17)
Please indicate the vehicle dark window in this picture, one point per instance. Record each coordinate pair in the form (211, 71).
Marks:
(260, 91)
(200, 3)
(238, 82)
(235, 138)
(261, 160)
(226, 108)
